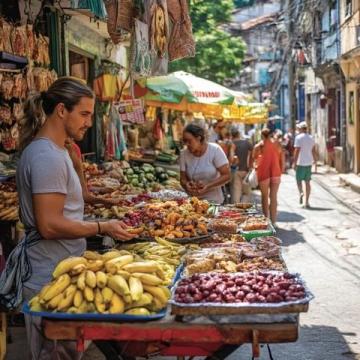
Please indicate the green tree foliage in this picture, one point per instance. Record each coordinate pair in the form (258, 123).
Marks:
(218, 53)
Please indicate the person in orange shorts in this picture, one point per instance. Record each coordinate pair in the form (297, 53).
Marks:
(269, 165)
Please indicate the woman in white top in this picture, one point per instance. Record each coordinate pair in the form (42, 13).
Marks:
(204, 167)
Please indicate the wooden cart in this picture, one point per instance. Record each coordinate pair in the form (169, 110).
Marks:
(173, 337)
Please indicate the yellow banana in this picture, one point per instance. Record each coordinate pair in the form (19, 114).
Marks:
(73, 310)
(91, 307)
(74, 279)
(146, 299)
(164, 242)
(57, 287)
(138, 311)
(118, 262)
(35, 305)
(99, 301)
(157, 292)
(67, 299)
(81, 281)
(90, 279)
(83, 308)
(77, 269)
(101, 279)
(148, 279)
(43, 291)
(156, 305)
(117, 304)
(92, 255)
(110, 255)
(136, 288)
(88, 294)
(78, 298)
(144, 267)
(95, 265)
(68, 264)
(120, 286)
(54, 302)
(124, 274)
(107, 294)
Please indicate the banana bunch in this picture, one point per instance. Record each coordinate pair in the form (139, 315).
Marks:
(111, 283)
(167, 254)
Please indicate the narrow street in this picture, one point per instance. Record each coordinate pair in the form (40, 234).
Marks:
(324, 243)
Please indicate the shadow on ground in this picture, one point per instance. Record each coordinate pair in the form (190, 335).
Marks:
(314, 343)
(289, 236)
(285, 216)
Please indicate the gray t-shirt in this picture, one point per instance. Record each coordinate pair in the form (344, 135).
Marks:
(204, 168)
(242, 148)
(46, 168)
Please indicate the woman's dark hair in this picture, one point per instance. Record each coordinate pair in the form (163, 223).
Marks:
(265, 132)
(38, 106)
(196, 131)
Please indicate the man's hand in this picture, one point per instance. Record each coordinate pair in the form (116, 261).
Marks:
(117, 230)
(294, 166)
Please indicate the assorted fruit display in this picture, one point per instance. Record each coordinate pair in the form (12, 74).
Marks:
(130, 179)
(170, 219)
(253, 287)
(112, 283)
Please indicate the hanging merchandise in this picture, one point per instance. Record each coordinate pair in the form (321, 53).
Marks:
(177, 128)
(157, 18)
(131, 111)
(121, 143)
(115, 138)
(120, 18)
(24, 58)
(107, 87)
(181, 42)
(142, 58)
(5, 35)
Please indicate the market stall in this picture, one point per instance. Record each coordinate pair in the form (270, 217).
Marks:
(195, 271)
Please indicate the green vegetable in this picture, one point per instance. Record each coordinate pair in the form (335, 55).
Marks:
(136, 169)
(159, 170)
(129, 171)
(163, 177)
(173, 174)
(150, 177)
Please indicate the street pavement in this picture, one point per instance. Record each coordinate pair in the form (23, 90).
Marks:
(323, 244)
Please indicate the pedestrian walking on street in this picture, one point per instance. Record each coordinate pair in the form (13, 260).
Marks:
(268, 159)
(304, 156)
(241, 151)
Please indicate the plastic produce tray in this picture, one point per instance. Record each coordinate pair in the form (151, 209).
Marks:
(195, 309)
(94, 316)
(249, 235)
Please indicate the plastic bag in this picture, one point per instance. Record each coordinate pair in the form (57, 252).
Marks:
(251, 179)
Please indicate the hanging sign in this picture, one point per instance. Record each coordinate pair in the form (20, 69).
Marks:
(131, 111)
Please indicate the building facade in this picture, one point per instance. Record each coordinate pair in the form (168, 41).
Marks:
(350, 66)
(259, 24)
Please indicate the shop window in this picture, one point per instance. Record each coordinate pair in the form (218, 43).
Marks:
(332, 16)
(348, 8)
(79, 66)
